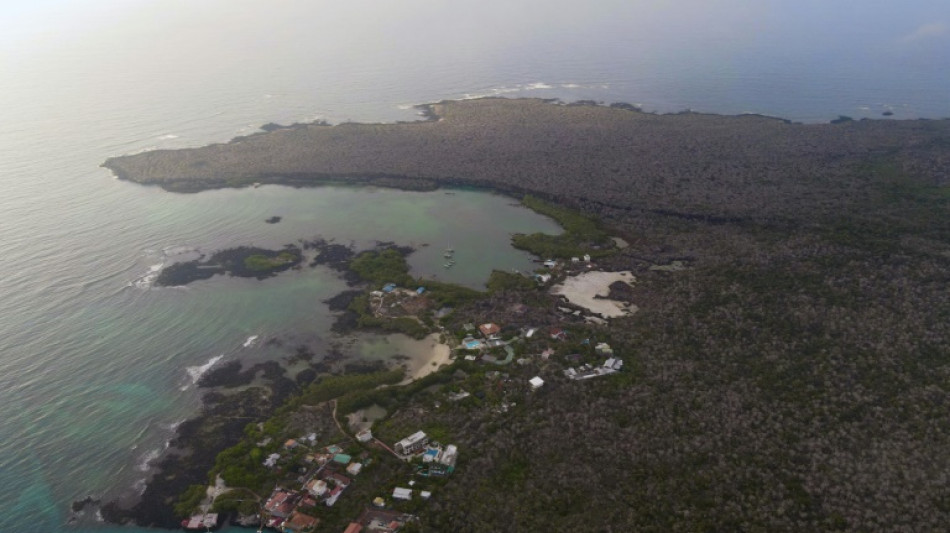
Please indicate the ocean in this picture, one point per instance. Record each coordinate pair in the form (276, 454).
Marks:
(97, 366)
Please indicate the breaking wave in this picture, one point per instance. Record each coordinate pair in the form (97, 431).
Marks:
(195, 372)
(146, 280)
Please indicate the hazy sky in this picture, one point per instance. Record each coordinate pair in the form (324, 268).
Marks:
(728, 46)
(800, 25)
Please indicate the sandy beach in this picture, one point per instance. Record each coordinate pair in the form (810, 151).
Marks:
(420, 357)
(590, 290)
(429, 356)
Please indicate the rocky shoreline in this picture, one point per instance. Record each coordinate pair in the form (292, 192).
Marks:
(695, 165)
(243, 262)
(235, 394)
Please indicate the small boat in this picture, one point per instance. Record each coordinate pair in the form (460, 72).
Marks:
(447, 254)
(447, 265)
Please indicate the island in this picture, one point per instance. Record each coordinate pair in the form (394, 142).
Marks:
(744, 326)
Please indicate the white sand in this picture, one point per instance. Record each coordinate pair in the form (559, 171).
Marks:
(419, 357)
(582, 288)
(438, 355)
(425, 356)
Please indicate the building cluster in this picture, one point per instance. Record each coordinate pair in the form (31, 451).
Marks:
(393, 301)
(436, 460)
(611, 365)
(284, 511)
(291, 511)
(555, 267)
(378, 521)
(490, 337)
(201, 521)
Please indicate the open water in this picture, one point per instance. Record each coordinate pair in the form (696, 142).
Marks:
(97, 367)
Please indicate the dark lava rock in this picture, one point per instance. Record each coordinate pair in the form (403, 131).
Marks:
(226, 375)
(621, 291)
(302, 353)
(244, 261)
(306, 376)
(347, 321)
(80, 505)
(342, 301)
(335, 256)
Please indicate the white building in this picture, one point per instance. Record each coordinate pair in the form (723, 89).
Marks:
(364, 436)
(400, 493)
(449, 455)
(316, 487)
(412, 443)
(536, 382)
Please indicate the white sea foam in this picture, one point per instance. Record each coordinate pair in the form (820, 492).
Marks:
(146, 280)
(250, 341)
(178, 249)
(143, 150)
(195, 372)
(496, 91)
(537, 85)
(146, 461)
(168, 137)
(504, 90)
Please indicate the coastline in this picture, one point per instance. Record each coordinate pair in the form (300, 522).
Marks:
(761, 278)
(236, 394)
(438, 356)
(720, 167)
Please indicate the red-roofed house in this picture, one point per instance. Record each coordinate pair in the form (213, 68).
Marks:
(489, 329)
(299, 523)
(339, 479)
(280, 503)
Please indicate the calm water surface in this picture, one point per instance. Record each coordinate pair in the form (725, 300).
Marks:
(96, 367)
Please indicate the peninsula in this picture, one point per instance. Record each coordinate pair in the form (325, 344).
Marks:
(617, 157)
(762, 341)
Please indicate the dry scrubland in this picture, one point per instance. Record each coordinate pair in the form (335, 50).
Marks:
(704, 164)
(794, 378)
